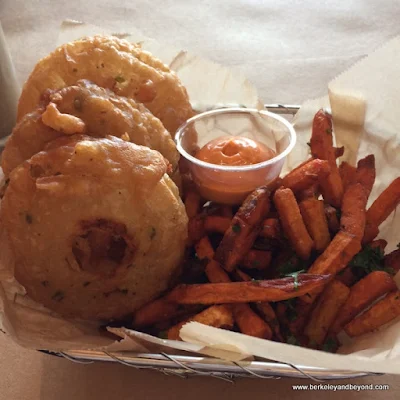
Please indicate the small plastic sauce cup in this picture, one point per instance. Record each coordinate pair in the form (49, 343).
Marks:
(231, 184)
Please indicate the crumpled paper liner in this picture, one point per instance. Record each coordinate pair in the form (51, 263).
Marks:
(369, 87)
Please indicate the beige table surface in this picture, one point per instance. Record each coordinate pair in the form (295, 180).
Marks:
(289, 49)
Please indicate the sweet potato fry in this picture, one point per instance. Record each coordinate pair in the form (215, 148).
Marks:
(265, 309)
(204, 249)
(363, 293)
(245, 227)
(325, 311)
(155, 311)
(336, 256)
(226, 211)
(299, 317)
(339, 151)
(247, 320)
(275, 184)
(310, 193)
(392, 261)
(346, 276)
(379, 314)
(192, 203)
(347, 174)
(381, 243)
(218, 316)
(365, 174)
(196, 228)
(268, 314)
(305, 176)
(353, 210)
(247, 292)
(215, 273)
(301, 165)
(321, 142)
(250, 323)
(215, 223)
(271, 229)
(380, 209)
(332, 218)
(292, 222)
(312, 211)
(240, 276)
(322, 147)
(257, 259)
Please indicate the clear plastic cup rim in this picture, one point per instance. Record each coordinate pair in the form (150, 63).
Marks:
(252, 167)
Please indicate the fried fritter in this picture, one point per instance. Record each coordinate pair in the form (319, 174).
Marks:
(86, 108)
(96, 226)
(115, 64)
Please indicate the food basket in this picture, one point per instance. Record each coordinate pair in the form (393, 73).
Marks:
(185, 366)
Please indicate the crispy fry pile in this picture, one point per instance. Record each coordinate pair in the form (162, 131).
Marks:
(297, 262)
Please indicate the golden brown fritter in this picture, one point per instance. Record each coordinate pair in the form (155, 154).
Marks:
(115, 64)
(96, 226)
(86, 108)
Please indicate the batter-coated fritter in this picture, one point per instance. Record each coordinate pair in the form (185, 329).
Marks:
(90, 109)
(115, 64)
(96, 225)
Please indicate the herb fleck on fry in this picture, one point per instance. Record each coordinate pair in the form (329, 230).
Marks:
(236, 228)
(28, 218)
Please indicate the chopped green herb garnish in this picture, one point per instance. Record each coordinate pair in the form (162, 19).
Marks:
(152, 233)
(58, 296)
(295, 276)
(330, 345)
(329, 131)
(338, 213)
(236, 228)
(28, 218)
(367, 260)
(309, 144)
(120, 79)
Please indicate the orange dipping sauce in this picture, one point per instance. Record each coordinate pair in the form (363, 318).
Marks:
(231, 187)
(234, 151)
